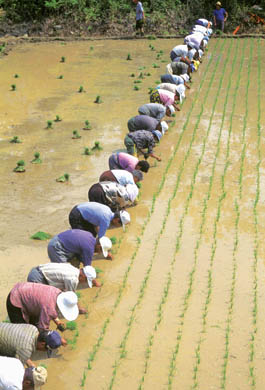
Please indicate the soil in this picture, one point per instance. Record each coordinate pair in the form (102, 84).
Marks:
(182, 303)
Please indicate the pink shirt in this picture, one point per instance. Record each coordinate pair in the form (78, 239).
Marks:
(127, 162)
(36, 301)
(166, 97)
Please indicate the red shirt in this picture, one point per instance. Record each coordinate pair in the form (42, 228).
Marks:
(36, 301)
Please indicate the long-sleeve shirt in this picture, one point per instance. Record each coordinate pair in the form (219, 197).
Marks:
(18, 340)
(172, 79)
(79, 242)
(155, 110)
(11, 374)
(123, 177)
(61, 275)
(116, 194)
(166, 97)
(98, 214)
(181, 50)
(142, 122)
(36, 301)
(127, 161)
(143, 139)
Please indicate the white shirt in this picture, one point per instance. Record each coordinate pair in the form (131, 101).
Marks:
(181, 50)
(123, 177)
(168, 87)
(11, 373)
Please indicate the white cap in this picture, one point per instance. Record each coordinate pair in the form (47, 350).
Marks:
(181, 90)
(185, 77)
(106, 244)
(125, 218)
(164, 127)
(39, 377)
(90, 273)
(132, 191)
(67, 303)
(171, 109)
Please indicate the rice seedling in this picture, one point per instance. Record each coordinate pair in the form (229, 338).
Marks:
(114, 240)
(63, 59)
(57, 118)
(97, 146)
(15, 140)
(139, 184)
(129, 57)
(42, 236)
(20, 166)
(132, 75)
(60, 77)
(151, 37)
(81, 89)
(71, 325)
(49, 124)
(37, 159)
(157, 81)
(136, 88)
(16, 76)
(141, 76)
(141, 67)
(137, 81)
(13, 87)
(87, 125)
(98, 100)
(87, 151)
(76, 135)
(150, 90)
(63, 179)
(148, 74)
(91, 48)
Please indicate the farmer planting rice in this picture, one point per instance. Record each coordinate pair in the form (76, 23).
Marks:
(178, 90)
(113, 194)
(165, 97)
(38, 304)
(140, 140)
(204, 22)
(145, 122)
(177, 80)
(96, 218)
(79, 244)
(13, 375)
(179, 68)
(63, 276)
(121, 176)
(22, 340)
(182, 52)
(155, 110)
(127, 162)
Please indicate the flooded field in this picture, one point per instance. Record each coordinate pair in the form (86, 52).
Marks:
(182, 305)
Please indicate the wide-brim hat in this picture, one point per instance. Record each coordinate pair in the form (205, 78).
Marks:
(132, 191)
(219, 3)
(105, 244)
(185, 77)
(125, 218)
(90, 273)
(164, 127)
(181, 91)
(39, 377)
(67, 303)
(171, 109)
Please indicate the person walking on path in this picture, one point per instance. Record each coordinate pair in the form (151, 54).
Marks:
(64, 276)
(141, 140)
(96, 218)
(127, 162)
(156, 110)
(140, 17)
(13, 375)
(38, 304)
(22, 340)
(219, 16)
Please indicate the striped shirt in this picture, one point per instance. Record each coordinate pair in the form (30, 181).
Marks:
(18, 340)
(61, 275)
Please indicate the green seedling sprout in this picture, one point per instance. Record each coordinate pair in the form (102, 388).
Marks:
(87, 151)
(49, 124)
(62, 59)
(151, 37)
(13, 87)
(20, 166)
(71, 325)
(87, 125)
(132, 75)
(36, 159)
(113, 240)
(98, 270)
(91, 48)
(154, 65)
(60, 77)
(57, 119)
(64, 178)
(137, 81)
(139, 184)
(42, 236)
(141, 76)
(150, 90)
(81, 89)
(98, 100)
(15, 140)
(76, 135)
(97, 146)
(157, 81)
(129, 57)
(136, 88)
(16, 76)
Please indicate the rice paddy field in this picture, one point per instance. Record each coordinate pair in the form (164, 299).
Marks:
(182, 303)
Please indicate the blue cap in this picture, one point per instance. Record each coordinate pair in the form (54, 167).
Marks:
(157, 134)
(53, 341)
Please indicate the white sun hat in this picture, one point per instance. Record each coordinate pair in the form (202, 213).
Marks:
(164, 127)
(106, 245)
(181, 91)
(90, 273)
(125, 218)
(171, 109)
(67, 303)
(132, 191)
(185, 77)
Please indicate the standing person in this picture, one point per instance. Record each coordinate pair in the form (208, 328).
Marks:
(142, 139)
(140, 18)
(13, 375)
(22, 340)
(38, 304)
(156, 110)
(127, 162)
(219, 16)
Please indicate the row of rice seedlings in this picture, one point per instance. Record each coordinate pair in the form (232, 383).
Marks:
(243, 153)
(256, 236)
(204, 211)
(138, 241)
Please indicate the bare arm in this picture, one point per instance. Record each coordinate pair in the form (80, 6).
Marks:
(226, 16)
(30, 363)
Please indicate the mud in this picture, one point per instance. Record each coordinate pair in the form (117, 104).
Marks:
(182, 303)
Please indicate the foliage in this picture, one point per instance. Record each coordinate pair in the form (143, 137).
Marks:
(37, 159)
(64, 178)
(41, 236)
(20, 166)
(15, 140)
(97, 146)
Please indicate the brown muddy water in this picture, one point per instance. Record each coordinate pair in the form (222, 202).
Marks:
(182, 305)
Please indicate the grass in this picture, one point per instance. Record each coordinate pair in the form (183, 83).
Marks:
(87, 151)
(63, 179)
(15, 140)
(76, 135)
(71, 325)
(98, 100)
(97, 146)
(20, 166)
(87, 125)
(49, 124)
(37, 159)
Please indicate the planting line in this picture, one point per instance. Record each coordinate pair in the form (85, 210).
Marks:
(138, 243)
(147, 275)
(256, 238)
(169, 278)
(221, 198)
(193, 271)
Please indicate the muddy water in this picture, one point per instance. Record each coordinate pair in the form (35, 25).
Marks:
(198, 270)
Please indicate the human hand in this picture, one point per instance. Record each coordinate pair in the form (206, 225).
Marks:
(82, 310)
(110, 256)
(61, 326)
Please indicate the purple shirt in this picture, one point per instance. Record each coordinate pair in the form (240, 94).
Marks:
(80, 243)
(127, 162)
(36, 301)
(142, 122)
(219, 14)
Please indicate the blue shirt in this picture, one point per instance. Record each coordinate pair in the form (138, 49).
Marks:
(123, 177)
(219, 14)
(98, 214)
(80, 243)
(139, 11)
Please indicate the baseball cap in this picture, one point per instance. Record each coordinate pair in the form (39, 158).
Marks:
(90, 273)
(53, 341)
